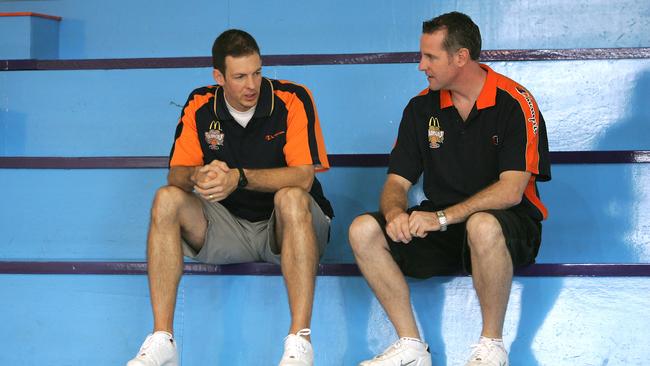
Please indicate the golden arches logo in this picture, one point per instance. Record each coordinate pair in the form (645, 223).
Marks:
(436, 135)
(215, 125)
(214, 136)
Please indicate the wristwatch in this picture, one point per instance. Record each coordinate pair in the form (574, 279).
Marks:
(243, 182)
(442, 219)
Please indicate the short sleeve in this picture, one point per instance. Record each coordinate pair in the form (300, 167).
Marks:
(186, 150)
(405, 158)
(305, 144)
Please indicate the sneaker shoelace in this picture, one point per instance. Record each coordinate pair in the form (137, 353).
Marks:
(148, 344)
(145, 346)
(295, 346)
(481, 351)
(391, 350)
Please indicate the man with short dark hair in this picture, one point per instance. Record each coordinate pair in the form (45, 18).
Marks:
(241, 188)
(480, 142)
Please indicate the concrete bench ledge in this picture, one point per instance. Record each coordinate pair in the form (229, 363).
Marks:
(341, 160)
(326, 59)
(267, 269)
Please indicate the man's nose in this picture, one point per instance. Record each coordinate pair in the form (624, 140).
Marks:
(250, 82)
(421, 65)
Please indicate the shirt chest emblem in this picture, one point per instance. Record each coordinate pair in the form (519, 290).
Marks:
(214, 137)
(273, 136)
(436, 135)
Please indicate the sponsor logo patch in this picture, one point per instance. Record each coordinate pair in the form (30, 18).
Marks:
(214, 137)
(436, 135)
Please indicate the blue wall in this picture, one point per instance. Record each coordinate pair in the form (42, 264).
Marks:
(599, 213)
(123, 28)
(101, 320)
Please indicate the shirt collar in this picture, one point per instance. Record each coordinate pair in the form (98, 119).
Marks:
(264, 106)
(487, 97)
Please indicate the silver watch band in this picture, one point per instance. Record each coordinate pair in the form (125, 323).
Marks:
(442, 219)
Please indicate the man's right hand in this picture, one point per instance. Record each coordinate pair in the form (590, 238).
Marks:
(397, 226)
(203, 174)
(213, 181)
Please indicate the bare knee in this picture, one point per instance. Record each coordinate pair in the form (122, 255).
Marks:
(484, 233)
(166, 203)
(366, 236)
(292, 204)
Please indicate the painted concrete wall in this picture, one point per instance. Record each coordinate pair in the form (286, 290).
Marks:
(225, 320)
(123, 28)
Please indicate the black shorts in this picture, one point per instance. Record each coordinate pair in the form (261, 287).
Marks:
(447, 252)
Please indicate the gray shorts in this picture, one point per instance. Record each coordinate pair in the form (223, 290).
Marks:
(230, 239)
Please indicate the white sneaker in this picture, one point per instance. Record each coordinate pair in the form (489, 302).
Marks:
(488, 352)
(404, 352)
(297, 350)
(158, 349)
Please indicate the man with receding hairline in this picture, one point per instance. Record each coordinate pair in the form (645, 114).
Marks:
(480, 143)
(241, 188)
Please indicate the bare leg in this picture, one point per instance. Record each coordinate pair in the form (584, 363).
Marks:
(382, 273)
(299, 253)
(174, 212)
(491, 271)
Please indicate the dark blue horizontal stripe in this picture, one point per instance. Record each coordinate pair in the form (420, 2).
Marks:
(267, 269)
(340, 160)
(324, 59)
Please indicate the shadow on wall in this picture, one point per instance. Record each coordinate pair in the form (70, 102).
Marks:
(537, 300)
(625, 200)
(601, 221)
(429, 311)
(76, 45)
(352, 192)
(12, 133)
(632, 131)
(616, 208)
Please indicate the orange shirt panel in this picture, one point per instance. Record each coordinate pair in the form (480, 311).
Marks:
(531, 115)
(297, 150)
(187, 148)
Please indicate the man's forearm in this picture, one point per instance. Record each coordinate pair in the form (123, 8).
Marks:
(500, 195)
(393, 199)
(181, 177)
(274, 179)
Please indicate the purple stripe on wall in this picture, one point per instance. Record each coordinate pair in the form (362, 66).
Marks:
(325, 59)
(266, 269)
(100, 162)
(336, 160)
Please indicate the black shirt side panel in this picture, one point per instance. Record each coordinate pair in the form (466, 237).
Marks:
(544, 162)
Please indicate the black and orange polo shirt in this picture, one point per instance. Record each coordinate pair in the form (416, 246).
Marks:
(284, 131)
(504, 131)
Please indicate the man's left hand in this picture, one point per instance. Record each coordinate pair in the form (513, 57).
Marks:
(218, 184)
(421, 222)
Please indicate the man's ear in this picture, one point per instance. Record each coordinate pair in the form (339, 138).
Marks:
(218, 77)
(462, 57)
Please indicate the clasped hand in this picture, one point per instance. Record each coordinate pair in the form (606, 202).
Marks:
(403, 227)
(215, 181)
